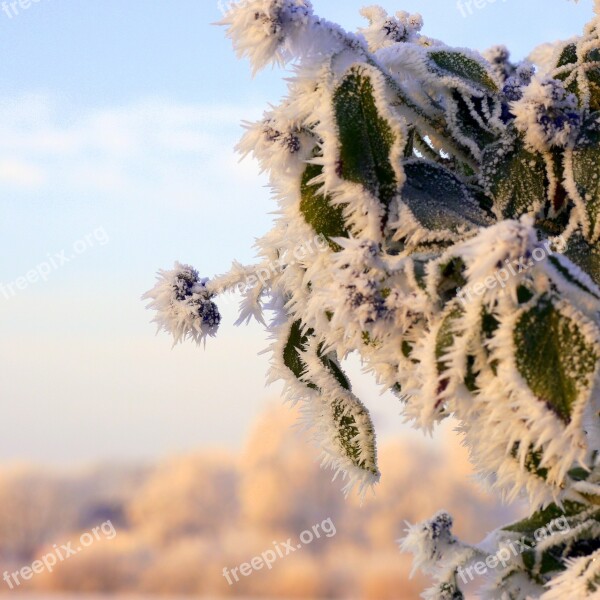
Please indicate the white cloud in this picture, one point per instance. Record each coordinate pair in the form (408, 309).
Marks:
(20, 174)
(151, 147)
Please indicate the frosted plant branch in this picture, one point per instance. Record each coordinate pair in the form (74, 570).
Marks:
(428, 170)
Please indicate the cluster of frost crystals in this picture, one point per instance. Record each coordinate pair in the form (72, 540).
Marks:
(277, 143)
(499, 59)
(429, 541)
(517, 81)
(261, 28)
(547, 114)
(360, 278)
(183, 304)
(437, 552)
(384, 30)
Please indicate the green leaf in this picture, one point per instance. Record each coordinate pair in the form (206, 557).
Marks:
(438, 199)
(466, 125)
(558, 550)
(324, 217)
(445, 337)
(451, 278)
(350, 419)
(295, 345)
(585, 256)
(568, 58)
(533, 460)
(349, 435)
(542, 517)
(570, 277)
(585, 158)
(366, 138)
(593, 76)
(568, 55)
(489, 326)
(420, 270)
(457, 64)
(513, 177)
(553, 357)
(331, 364)
(445, 341)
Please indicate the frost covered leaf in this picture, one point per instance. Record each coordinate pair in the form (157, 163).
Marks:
(438, 199)
(463, 120)
(575, 276)
(533, 460)
(451, 278)
(553, 357)
(347, 433)
(567, 56)
(553, 536)
(325, 218)
(582, 75)
(454, 63)
(334, 368)
(366, 138)
(585, 256)
(583, 177)
(542, 517)
(593, 76)
(445, 337)
(296, 344)
(580, 580)
(514, 178)
(347, 423)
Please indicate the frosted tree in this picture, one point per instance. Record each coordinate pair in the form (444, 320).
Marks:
(439, 214)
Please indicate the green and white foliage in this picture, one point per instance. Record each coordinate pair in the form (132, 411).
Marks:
(457, 199)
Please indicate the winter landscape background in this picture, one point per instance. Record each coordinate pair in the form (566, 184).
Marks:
(179, 523)
(117, 127)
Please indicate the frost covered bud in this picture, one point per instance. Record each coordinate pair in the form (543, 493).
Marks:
(520, 79)
(259, 28)
(365, 299)
(384, 31)
(289, 141)
(183, 304)
(429, 541)
(498, 57)
(440, 526)
(547, 114)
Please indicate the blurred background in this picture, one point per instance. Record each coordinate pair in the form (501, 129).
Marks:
(118, 122)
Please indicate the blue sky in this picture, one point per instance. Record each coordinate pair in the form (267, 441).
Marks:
(121, 117)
